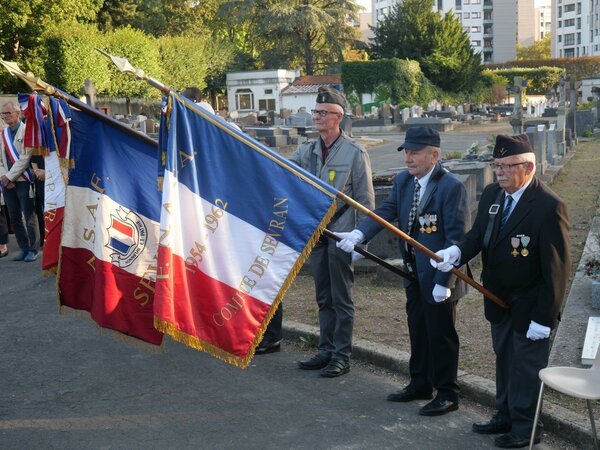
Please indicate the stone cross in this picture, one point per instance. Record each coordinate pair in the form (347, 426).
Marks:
(89, 90)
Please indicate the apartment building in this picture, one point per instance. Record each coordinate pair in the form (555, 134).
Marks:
(575, 28)
(494, 26)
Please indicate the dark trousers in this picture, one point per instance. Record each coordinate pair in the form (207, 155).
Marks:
(518, 362)
(433, 344)
(39, 209)
(274, 332)
(22, 216)
(3, 227)
(334, 275)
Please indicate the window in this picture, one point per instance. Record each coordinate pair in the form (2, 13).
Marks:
(475, 2)
(569, 53)
(268, 91)
(569, 8)
(560, 24)
(570, 39)
(244, 99)
(466, 15)
(440, 6)
(578, 10)
(560, 11)
(267, 104)
(578, 38)
(475, 15)
(569, 22)
(458, 5)
(476, 29)
(476, 43)
(579, 23)
(559, 38)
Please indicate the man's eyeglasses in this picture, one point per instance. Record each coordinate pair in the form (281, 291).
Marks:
(6, 114)
(506, 167)
(322, 112)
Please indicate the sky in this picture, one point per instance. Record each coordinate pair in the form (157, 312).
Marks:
(365, 4)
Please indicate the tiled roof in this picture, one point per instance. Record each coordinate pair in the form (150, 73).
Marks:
(310, 84)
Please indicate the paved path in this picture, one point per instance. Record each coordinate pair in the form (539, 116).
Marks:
(65, 385)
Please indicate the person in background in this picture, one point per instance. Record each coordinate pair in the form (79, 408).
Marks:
(198, 97)
(17, 184)
(522, 232)
(431, 206)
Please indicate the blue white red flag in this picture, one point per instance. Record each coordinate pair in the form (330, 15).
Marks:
(110, 232)
(37, 138)
(237, 223)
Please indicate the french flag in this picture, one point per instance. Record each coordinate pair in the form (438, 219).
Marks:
(237, 222)
(111, 228)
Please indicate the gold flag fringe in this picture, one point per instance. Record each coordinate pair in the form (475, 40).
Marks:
(117, 335)
(243, 361)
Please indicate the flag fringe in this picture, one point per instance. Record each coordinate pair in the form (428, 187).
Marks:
(131, 341)
(243, 361)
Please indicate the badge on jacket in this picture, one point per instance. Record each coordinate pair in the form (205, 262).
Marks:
(428, 223)
(519, 244)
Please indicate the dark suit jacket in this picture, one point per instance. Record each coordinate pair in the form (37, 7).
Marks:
(447, 199)
(532, 282)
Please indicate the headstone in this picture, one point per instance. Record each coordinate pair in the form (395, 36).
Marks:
(405, 114)
(387, 120)
(250, 119)
(541, 153)
(460, 110)
(532, 133)
(551, 144)
(591, 342)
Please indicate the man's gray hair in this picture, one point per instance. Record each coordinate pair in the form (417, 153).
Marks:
(13, 104)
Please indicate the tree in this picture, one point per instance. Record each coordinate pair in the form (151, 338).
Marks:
(414, 31)
(311, 34)
(117, 13)
(192, 59)
(538, 50)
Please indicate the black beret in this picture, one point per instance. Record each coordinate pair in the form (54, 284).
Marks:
(328, 94)
(419, 137)
(511, 145)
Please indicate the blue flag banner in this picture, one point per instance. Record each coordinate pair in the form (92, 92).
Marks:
(237, 222)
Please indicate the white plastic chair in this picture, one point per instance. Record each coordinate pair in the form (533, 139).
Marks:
(579, 383)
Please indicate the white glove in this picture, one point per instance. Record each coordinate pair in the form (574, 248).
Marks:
(356, 256)
(349, 240)
(537, 331)
(450, 257)
(440, 293)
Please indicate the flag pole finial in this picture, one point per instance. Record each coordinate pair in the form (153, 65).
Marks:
(125, 66)
(34, 83)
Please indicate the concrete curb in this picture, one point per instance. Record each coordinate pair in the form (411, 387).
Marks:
(558, 420)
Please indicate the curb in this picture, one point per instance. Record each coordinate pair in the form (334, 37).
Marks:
(558, 420)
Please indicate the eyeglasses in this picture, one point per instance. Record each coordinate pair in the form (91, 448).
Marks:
(5, 114)
(506, 167)
(322, 112)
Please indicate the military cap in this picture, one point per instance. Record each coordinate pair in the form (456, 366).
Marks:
(511, 145)
(328, 94)
(419, 137)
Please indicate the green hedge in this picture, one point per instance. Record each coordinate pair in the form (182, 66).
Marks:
(539, 79)
(582, 67)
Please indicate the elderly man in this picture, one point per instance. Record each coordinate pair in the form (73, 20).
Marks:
(431, 206)
(17, 184)
(522, 232)
(336, 159)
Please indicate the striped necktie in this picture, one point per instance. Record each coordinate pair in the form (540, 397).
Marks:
(506, 212)
(413, 210)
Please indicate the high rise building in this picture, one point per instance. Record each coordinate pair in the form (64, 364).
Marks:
(575, 28)
(494, 26)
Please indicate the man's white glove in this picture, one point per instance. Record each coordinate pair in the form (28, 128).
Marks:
(356, 256)
(440, 293)
(450, 257)
(349, 240)
(537, 331)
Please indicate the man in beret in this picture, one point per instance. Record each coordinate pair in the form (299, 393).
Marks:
(522, 232)
(339, 161)
(431, 206)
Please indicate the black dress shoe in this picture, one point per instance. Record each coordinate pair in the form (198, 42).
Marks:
(438, 407)
(3, 254)
(335, 368)
(268, 347)
(514, 440)
(408, 394)
(495, 426)
(316, 362)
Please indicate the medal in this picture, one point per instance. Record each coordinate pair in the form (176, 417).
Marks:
(422, 222)
(433, 222)
(525, 241)
(427, 222)
(515, 242)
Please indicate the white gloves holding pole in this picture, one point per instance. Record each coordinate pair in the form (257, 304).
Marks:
(349, 240)
(537, 331)
(450, 258)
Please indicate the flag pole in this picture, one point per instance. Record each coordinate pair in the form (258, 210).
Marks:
(124, 66)
(37, 84)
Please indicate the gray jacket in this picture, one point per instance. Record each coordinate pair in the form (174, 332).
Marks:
(21, 164)
(347, 168)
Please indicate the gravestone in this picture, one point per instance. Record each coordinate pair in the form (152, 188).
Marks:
(386, 114)
(551, 144)
(89, 90)
(532, 133)
(405, 114)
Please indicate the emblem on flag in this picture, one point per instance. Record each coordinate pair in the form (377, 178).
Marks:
(127, 236)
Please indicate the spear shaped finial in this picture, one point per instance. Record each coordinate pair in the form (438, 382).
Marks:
(125, 66)
(34, 83)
